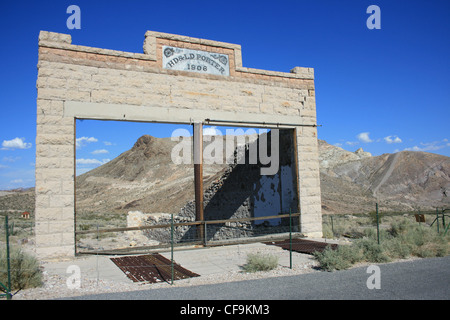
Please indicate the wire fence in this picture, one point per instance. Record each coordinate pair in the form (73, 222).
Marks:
(169, 234)
(18, 269)
(181, 231)
(157, 247)
(5, 262)
(365, 224)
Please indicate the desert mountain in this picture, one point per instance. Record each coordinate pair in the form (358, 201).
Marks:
(407, 180)
(145, 178)
(142, 178)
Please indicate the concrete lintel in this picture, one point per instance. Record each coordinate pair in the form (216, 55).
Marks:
(106, 111)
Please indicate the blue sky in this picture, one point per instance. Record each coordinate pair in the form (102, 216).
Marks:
(385, 90)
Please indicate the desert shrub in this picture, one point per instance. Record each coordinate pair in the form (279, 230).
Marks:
(371, 250)
(25, 271)
(395, 248)
(399, 228)
(338, 259)
(421, 240)
(403, 239)
(373, 217)
(260, 262)
(327, 231)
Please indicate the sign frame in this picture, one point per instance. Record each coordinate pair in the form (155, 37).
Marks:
(199, 61)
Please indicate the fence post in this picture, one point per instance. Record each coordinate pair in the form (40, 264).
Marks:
(205, 234)
(171, 246)
(290, 239)
(332, 225)
(378, 225)
(437, 219)
(8, 263)
(443, 218)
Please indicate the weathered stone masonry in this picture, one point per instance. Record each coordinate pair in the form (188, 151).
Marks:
(92, 83)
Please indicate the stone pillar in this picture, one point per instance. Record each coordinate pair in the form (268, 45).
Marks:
(55, 163)
(309, 182)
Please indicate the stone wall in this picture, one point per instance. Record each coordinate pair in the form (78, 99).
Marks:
(240, 192)
(83, 82)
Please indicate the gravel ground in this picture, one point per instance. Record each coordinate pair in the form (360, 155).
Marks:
(226, 270)
(55, 285)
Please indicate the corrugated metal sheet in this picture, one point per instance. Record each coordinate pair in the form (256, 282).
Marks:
(302, 245)
(151, 268)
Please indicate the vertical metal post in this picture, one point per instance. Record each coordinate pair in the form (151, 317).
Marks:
(8, 262)
(290, 238)
(198, 176)
(98, 248)
(171, 247)
(418, 214)
(437, 219)
(205, 233)
(443, 218)
(378, 225)
(332, 225)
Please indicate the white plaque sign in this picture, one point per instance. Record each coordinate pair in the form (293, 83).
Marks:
(195, 61)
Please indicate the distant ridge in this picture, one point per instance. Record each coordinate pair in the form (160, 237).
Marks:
(402, 181)
(145, 178)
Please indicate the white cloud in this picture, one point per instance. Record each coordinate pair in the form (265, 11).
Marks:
(211, 131)
(3, 166)
(85, 165)
(11, 159)
(392, 139)
(428, 146)
(100, 151)
(81, 142)
(91, 162)
(364, 137)
(16, 181)
(82, 170)
(107, 143)
(16, 143)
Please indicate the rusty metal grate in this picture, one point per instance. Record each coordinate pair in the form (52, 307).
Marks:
(151, 268)
(303, 246)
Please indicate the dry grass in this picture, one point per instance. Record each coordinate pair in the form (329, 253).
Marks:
(403, 238)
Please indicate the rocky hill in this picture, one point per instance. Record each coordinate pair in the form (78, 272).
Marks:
(142, 178)
(407, 180)
(145, 178)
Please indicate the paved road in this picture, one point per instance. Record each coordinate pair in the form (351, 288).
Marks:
(418, 279)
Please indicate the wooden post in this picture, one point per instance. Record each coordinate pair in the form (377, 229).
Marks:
(198, 177)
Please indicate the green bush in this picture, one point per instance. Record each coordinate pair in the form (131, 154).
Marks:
(25, 271)
(397, 249)
(338, 259)
(371, 250)
(403, 239)
(260, 262)
(421, 241)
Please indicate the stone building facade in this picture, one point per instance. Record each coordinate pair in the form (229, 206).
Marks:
(177, 79)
